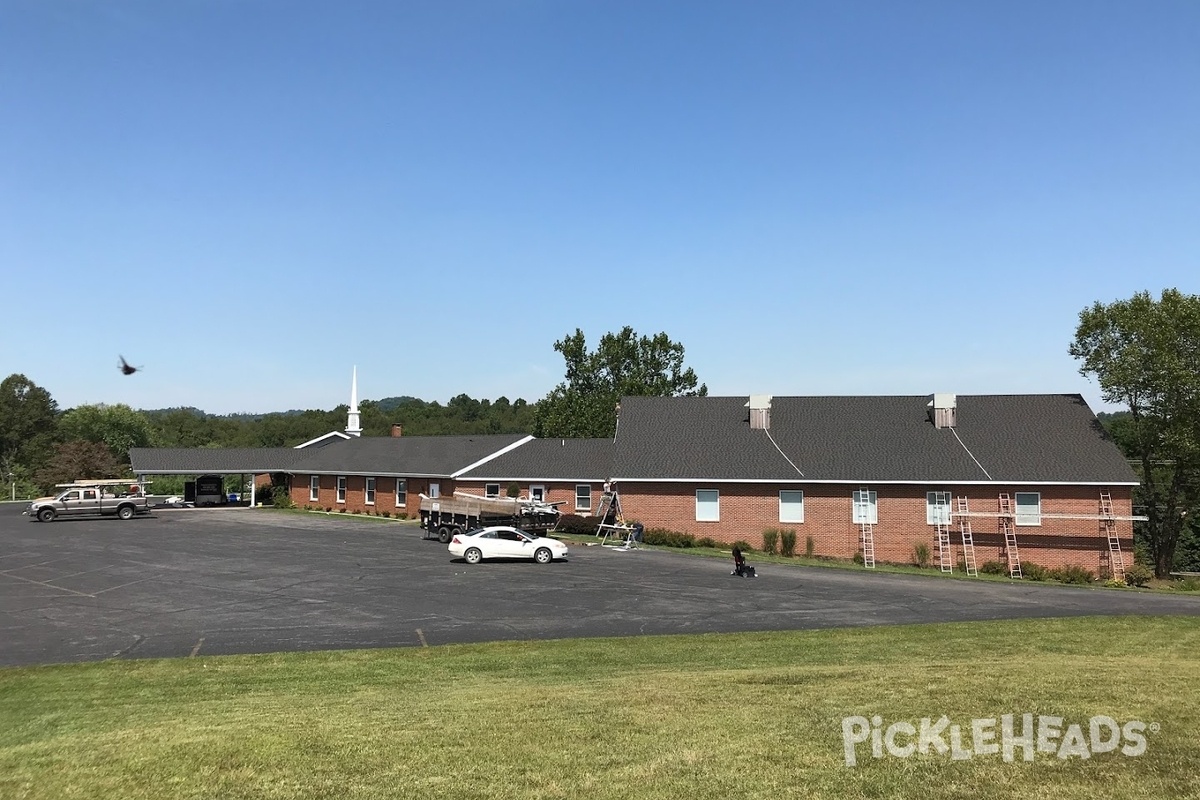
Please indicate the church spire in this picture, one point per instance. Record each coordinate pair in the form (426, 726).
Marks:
(352, 425)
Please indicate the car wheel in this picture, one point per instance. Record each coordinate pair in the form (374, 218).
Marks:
(473, 556)
(125, 512)
(444, 534)
(45, 514)
(543, 555)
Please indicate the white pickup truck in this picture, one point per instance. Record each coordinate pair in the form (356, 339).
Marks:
(120, 498)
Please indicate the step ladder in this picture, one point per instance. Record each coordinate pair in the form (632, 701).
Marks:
(1010, 537)
(867, 538)
(609, 502)
(945, 554)
(1108, 526)
(968, 538)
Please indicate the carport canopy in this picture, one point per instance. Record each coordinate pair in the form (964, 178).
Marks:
(213, 461)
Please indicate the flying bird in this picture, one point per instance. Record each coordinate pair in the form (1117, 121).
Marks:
(125, 368)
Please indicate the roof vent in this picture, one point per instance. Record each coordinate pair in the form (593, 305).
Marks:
(760, 412)
(943, 410)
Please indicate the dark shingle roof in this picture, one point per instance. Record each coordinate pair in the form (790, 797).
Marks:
(433, 456)
(1016, 438)
(217, 460)
(550, 459)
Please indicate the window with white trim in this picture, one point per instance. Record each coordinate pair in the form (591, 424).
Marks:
(583, 497)
(791, 505)
(401, 492)
(435, 489)
(537, 493)
(370, 498)
(866, 507)
(341, 488)
(1029, 508)
(708, 505)
(314, 487)
(937, 508)
(491, 490)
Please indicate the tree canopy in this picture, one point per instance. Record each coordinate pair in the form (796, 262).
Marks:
(622, 365)
(1145, 355)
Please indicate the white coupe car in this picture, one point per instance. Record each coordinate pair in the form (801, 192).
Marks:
(503, 542)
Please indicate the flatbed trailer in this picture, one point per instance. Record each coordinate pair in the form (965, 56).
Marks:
(444, 517)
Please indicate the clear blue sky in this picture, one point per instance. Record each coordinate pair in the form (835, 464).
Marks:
(249, 197)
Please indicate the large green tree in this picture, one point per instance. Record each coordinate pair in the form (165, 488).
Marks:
(78, 460)
(622, 365)
(28, 425)
(118, 427)
(1145, 354)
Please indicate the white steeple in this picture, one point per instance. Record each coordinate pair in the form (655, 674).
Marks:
(352, 426)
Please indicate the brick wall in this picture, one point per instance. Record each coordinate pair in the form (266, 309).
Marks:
(356, 489)
(562, 492)
(748, 509)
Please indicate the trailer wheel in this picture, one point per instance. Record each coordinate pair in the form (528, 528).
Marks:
(444, 534)
(125, 512)
(455, 531)
(45, 514)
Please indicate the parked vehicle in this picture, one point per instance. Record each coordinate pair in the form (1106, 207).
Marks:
(119, 498)
(501, 541)
(445, 517)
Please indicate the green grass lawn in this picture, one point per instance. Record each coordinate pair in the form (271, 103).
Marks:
(712, 716)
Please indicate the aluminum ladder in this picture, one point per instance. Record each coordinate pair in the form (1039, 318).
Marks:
(968, 538)
(1108, 524)
(1010, 537)
(867, 537)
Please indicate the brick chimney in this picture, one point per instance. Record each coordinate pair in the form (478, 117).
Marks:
(397, 430)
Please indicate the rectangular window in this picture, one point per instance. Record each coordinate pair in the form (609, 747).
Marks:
(401, 493)
(708, 505)
(491, 490)
(1029, 508)
(791, 506)
(314, 487)
(937, 508)
(370, 492)
(435, 489)
(537, 493)
(866, 507)
(341, 488)
(583, 497)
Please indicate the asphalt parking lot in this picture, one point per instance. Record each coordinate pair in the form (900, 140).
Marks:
(185, 583)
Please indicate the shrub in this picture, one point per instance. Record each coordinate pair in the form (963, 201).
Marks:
(787, 543)
(770, 539)
(357, 511)
(1035, 572)
(1189, 584)
(342, 510)
(810, 546)
(993, 568)
(514, 489)
(705, 541)
(573, 523)
(1073, 574)
(858, 558)
(1115, 583)
(328, 509)
(921, 554)
(668, 538)
(402, 515)
(1138, 575)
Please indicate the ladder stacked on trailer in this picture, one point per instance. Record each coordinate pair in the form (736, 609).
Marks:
(1108, 524)
(968, 538)
(1010, 537)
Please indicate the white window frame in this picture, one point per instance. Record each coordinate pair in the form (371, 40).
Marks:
(488, 491)
(1027, 519)
(401, 492)
(435, 490)
(793, 507)
(865, 507)
(713, 515)
(341, 489)
(314, 487)
(587, 506)
(537, 492)
(369, 492)
(937, 508)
